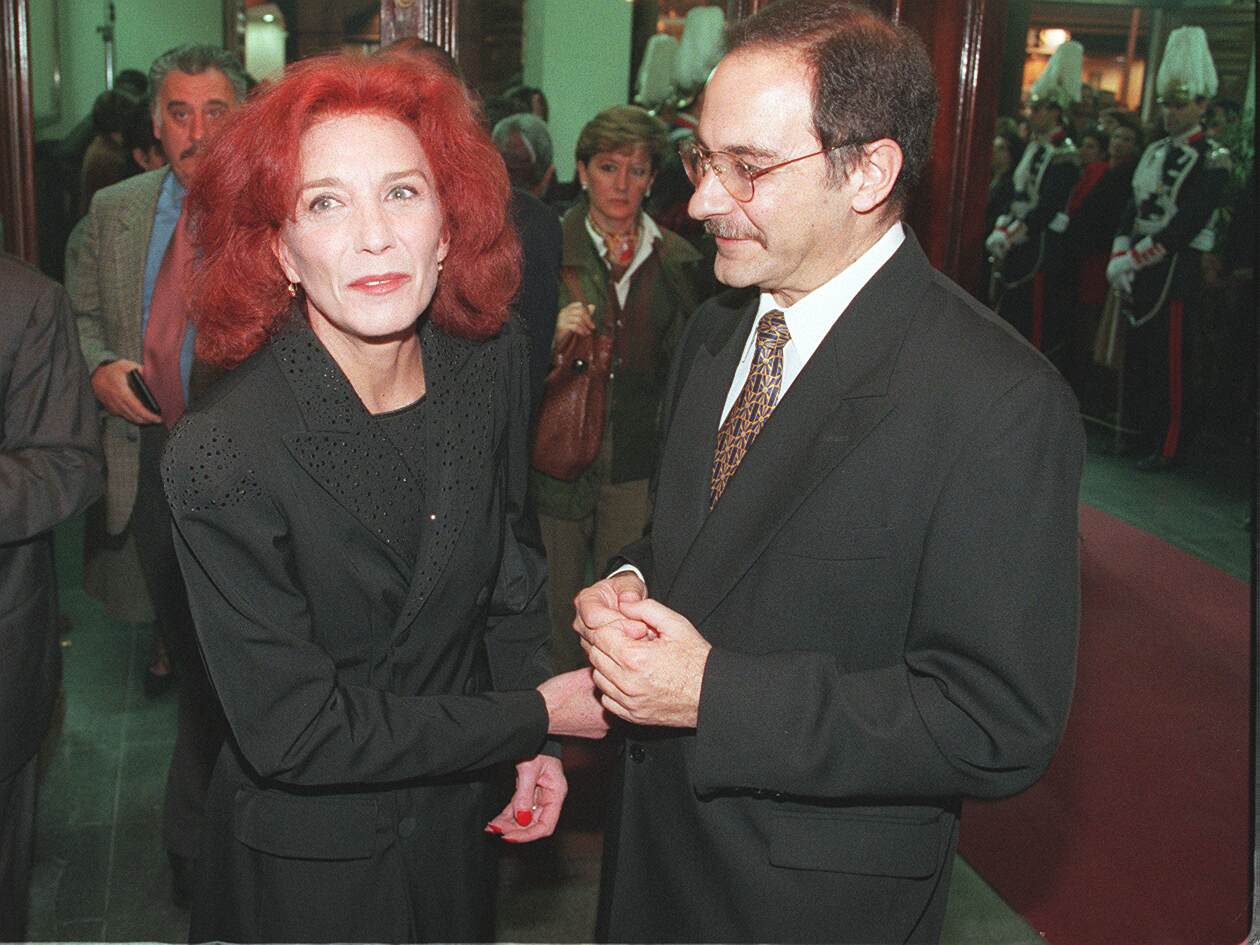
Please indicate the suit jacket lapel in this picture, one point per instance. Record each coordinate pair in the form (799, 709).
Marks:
(836, 401)
(339, 446)
(459, 378)
(131, 253)
(685, 476)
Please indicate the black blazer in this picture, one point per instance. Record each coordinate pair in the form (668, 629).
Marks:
(889, 583)
(369, 701)
(50, 468)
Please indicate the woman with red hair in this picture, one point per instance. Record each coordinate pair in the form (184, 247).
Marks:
(348, 505)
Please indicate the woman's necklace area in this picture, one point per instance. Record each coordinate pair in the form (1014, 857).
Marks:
(620, 246)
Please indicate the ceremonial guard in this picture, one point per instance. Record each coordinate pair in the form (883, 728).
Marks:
(1155, 262)
(1025, 247)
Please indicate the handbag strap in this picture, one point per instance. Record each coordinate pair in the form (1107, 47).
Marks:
(573, 282)
(570, 275)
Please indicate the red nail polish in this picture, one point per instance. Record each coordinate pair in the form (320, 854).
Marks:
(523, 817)
(494, 829)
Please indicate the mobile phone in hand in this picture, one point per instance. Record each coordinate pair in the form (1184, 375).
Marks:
(135, 380)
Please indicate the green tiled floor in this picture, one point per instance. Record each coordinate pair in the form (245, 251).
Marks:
(101, 873)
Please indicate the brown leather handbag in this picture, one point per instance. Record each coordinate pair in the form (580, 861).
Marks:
(571, 418)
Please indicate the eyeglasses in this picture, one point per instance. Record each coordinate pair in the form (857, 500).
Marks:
(737, 177)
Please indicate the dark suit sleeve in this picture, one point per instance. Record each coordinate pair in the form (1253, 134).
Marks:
(537, 303)
(518, 634)
(293, 716)
(979, 700)
(50, 454)
(1056, 187)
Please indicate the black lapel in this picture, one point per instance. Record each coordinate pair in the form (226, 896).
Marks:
(460, 384)
(836, 401)
(339, 446)
(682, 497)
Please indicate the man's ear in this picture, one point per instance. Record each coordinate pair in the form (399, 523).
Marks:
(877, 172)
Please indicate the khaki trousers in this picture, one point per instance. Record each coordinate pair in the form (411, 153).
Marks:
(577, 553)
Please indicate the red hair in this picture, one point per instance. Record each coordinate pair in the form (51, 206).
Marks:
(246, 189)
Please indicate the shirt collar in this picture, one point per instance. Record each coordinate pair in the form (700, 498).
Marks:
(810, 318)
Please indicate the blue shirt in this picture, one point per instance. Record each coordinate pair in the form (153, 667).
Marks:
(170, 204)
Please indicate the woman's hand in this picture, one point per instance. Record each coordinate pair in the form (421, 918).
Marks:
(534, 809)
(574, 318)
(573, 706)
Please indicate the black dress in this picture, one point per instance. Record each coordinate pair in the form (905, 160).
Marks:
(377, 666)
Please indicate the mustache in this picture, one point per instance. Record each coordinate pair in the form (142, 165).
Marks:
(730, 230)
(190, 151)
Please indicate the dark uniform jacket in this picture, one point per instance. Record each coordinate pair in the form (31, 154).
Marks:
(371, 701)
(50, 469)
(1043, 181)
(1177, 186)
(889, 583)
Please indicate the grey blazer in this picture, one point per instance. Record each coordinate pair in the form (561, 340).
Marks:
(105, 280)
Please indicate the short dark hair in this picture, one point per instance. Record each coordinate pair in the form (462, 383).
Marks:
(137, 131)
(1103, 139)
(109, 111)
(132, 81)
(872, 79)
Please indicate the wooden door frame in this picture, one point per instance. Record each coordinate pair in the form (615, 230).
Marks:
(17, 124)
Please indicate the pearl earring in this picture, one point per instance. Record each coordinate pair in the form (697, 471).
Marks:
(292, 291)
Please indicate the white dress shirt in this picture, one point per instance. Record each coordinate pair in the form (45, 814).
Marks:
(809, 320)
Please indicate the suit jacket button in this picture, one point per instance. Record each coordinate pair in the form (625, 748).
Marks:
(637, 753)
(406, 827)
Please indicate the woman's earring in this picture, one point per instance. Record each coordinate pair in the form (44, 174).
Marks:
(292, 291)
(439, 266)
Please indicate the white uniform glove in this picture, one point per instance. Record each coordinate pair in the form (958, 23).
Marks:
(1147, 252)
(1120, 272)
(997, 244)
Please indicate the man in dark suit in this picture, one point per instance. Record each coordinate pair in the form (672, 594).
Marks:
(862, 562)
(50, 469)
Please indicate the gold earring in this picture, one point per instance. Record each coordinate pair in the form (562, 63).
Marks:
(292, 291)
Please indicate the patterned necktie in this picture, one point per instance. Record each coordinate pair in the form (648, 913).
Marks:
(754, 404)
(167, 325)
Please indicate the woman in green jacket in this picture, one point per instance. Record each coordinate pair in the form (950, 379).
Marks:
(628, 277)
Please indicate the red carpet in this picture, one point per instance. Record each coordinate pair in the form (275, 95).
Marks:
(1139, 832)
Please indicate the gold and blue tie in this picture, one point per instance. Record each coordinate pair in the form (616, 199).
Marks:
(754, 404)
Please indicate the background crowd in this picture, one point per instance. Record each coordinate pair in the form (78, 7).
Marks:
(612, 269)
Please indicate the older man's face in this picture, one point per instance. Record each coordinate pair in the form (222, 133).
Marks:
(189, 107)
(795, 232)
